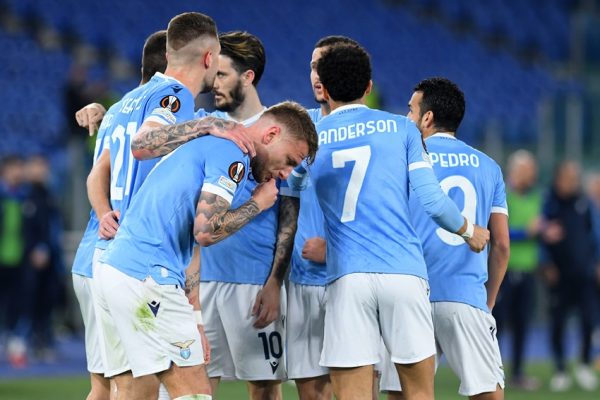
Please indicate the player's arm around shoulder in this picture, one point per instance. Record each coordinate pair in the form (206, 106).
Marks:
(156, 140)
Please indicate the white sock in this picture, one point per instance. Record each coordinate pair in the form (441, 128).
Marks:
(162, 393)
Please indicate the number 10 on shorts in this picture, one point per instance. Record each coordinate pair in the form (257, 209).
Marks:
(271, 344)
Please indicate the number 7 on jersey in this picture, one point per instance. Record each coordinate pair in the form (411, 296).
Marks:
(361, 156)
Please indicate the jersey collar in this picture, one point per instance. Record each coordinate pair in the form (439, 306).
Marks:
(443, 135)
(249, 121)
(347, 107)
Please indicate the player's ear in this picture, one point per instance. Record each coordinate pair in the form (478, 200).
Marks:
(248, 77)
(427, 119)
(326, 94)
(369, 88)
(272, 133)
(208, 59)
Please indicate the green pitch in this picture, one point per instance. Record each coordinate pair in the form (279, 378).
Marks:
(446, 388)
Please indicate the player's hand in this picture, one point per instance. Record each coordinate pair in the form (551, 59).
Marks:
(266, 307)
(238, 134)
(205, 344)
(265, 194)
(90, 117)
(109, 223)
(551, 275)
(315, 249)
(480, 239)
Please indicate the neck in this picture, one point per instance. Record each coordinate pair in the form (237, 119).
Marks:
(249, 108)
(325, 110)
(191, 78)
(337, 104)
(432, 131)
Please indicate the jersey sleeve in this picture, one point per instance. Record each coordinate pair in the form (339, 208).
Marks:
(225, 172)
(499, 205)
(170, 105)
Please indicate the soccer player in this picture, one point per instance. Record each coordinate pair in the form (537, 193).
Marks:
(192, 50)
(464, 285)
(242, 276)
(376, 274)
(306, 297)
(153, 60)
(144, 311)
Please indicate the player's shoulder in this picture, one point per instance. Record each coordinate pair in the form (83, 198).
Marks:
(484, 159)
(220, 146)
(315, 114)
(170, 88)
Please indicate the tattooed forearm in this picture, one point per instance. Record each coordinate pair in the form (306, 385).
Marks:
(289, 207)
(214, 221)
(191, 282)
(159, 141)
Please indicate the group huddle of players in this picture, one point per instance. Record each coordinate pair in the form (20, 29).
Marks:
(195, 211)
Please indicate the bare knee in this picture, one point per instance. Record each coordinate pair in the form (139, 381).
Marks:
(100, 388)
(497, 395)
(317, 388)
(264, 390)
(181, 381)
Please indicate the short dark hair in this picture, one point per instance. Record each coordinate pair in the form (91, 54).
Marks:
(298, 123)
(345, 71)
(186, 27)
(445, 100)
(335, 39)
(154, 58)
(246, 52)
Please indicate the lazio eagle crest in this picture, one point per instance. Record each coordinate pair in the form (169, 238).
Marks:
(184, 348)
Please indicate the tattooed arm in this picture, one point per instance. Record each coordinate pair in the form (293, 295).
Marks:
(289, 207)
(192, 280)
(267, 304)
(215, 221)
(155, 140)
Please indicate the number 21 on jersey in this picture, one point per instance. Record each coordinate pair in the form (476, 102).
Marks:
(120, 187)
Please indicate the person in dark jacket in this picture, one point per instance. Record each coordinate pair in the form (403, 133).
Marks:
(569, 243)
(42, 277)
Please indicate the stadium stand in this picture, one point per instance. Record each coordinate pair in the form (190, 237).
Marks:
(404, 46)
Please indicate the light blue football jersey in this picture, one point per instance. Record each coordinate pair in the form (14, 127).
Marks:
(156, 239)
(474, 181)
(82, 263)
(361, 177)
(245, 257)
(310, 224)
(164, 100)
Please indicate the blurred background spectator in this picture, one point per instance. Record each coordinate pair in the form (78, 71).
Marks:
(12, 254)
(517, 294)
(571, 271)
